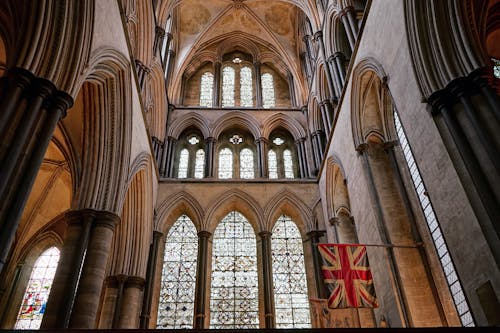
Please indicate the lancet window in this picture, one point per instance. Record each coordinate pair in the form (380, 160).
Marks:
(435, 229)
(176, 306)
(237, 157)
(37, 292)
(281, 156)
(289, 276)
(234, 291)
(190, 156)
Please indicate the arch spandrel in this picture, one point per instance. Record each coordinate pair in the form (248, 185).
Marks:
(177, 204)
(234, 200)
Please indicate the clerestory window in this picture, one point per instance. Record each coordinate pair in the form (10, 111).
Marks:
(190, 156)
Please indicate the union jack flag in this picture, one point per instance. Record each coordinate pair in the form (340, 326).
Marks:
(347, 273)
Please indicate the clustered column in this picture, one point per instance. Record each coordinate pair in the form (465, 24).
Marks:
(76, 291)
(258, 84)
(209, 157)
(150, 276)
(201, 279)
(345, 229)
(168, 157)
(314, 240)
(348, 17)
(265, 237)
(31, 108)
(301, 152)
(217, 84)
(262, 144)
(317, 143)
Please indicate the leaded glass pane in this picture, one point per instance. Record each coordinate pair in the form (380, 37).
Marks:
(199, 165)
(183, 164)
(228, 78)
(176, 307)
(278, 141)
(272, 164)
(268, 100)
(206, 89)
(246, 91)
(225, 163)
(234, 294)
(288, 163)
(289, 276)
(37, 292)
(246, 164)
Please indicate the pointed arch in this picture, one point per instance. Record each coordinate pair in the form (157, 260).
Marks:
(234, 200)
(278, 120)
(107, 131)
(288, 203)
(236, 119)
(174, 206)
(184, 121)
(372, 114)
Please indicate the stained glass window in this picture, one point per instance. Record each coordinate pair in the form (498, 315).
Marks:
(234, 293)
(268, 100)
(288, 163)
(199, 164)
(272, 164)
(278, 141)
(37, 292)
(225, 163)
(246, 164)
(206, 89)
(183, 164)
(246, 91)
(178, 279)
(228, 78)
(496, 68)
(289, 276)
(193, 140)
(434, 228)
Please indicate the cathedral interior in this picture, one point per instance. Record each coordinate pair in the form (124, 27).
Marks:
(173, 164)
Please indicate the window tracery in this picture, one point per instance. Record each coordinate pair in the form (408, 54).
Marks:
(281, 156)
(176, 307)
(37, 292)
(234, 291)
(237, 156)
(289, 277)
(190, 161)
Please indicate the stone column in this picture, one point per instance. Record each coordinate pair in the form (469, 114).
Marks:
(209, 157)
(258, 84)
(217, 84)
(291, 89)
(262, 144)
(300, 154)
(131, 302)
(65, 284)
(337, 85)
(201, 280)
(167, 157)
(327, 113)
(165, 48)
(142, 71)
(319, 38)
(346, 231)
(350, 12)
(169, 66)
(21, 180)
(84, 312)
(150, 277)
(340, 60)
(314, 239)
(267, 273)
(347, 26)
(158, 41)
(171, 161)
(309, 55)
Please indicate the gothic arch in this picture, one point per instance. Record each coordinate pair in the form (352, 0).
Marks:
(337, 197)
(236, 119)
(145, 32)
(69, 37)
(189, 119)
(371, 104)
(288, 203)
(174, 206)
(315, 121)
(440, 44)
(107, 132)
(157, 114)
(234, 200)
(278, 120)
(133, 235)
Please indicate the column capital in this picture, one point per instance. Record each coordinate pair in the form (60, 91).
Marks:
(204, 234)
(157, 234)
(318, 35)
(102, 218)
(439, 100)
(160, 31)
(20, 77)
(305, 38)
(62, 101)
(317, 132)
(265, 234)
(262, 140)
(210, 139)
(135, 282)
(169, 36)
(300, 140)
(315, 234)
